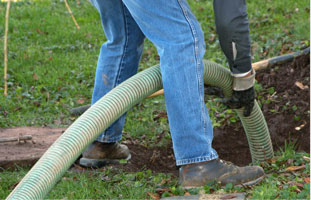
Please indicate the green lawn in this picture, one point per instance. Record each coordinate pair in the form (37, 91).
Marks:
(51, 69)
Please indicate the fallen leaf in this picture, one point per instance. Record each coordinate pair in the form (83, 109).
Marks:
(13, 186)
(162, 190)
(187, 194)
(307, 180)
(39, 31)
(298, 128)
(295, 168)
(297, 190)
(50, 58)
(35, 77)
(80, 101)
(36, 103)
(300, 85)
(211, 190)
(306, 158)
(277, 196)
(154, 196)
(300, 185)
(163, 182)
(78, 167)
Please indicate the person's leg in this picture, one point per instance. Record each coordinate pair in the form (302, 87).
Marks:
(172, 27)
(118, 60)
(119, 56)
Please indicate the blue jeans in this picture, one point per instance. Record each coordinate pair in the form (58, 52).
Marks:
(177, 35)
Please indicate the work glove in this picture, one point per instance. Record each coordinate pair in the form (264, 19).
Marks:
(243, 94)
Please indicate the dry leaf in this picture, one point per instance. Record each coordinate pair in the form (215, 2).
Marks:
(294, 168)
(80, 101)
(35, 77)
(300, 185)
(13, 186)
(36, 103)
(162, 190)
(307, 180)
(39, 31)
(163, 182)
(306, 158)
(154, 196)
(300, 85)
(187, 194)
(297, 190)
(298, 128)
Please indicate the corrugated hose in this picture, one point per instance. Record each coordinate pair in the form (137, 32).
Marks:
(67, 148)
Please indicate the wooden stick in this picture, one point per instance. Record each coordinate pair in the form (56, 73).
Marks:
(160, 92)
(6, 47)
(70, 12)
(16, 139)
(256, 66)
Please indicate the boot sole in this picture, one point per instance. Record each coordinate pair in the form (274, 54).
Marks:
(250, 183)
(98, 163)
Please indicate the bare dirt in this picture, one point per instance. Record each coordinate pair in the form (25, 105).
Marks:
(287, 116)
(27, 152)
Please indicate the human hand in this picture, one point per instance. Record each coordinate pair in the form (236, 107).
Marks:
(240, 99)
(243, 94)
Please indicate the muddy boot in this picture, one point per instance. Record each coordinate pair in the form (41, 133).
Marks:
(200, 174)
(99, 154)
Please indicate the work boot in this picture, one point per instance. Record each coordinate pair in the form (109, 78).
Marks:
(200, 174)
(99, 154)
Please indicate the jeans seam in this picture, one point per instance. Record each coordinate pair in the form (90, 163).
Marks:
(197, 63)
(124, 49)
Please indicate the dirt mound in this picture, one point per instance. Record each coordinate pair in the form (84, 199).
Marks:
(288, 114)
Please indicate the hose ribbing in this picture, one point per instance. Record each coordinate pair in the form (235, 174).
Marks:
(66, 149)
(255, 125)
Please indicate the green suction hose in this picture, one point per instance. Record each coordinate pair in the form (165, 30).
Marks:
(255, 125)
(66, 149)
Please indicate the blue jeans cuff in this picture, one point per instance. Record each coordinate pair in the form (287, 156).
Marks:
(107, 139)
(213, 156)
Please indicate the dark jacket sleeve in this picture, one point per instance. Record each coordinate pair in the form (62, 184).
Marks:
(232, 26)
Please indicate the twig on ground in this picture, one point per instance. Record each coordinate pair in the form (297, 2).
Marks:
(16, 139)
(5, 47)
(70, 12)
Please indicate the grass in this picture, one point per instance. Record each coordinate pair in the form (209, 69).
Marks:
(52, 66)
(113, 183)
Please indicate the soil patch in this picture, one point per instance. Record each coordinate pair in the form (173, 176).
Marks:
(22, 153)
(286, 90)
